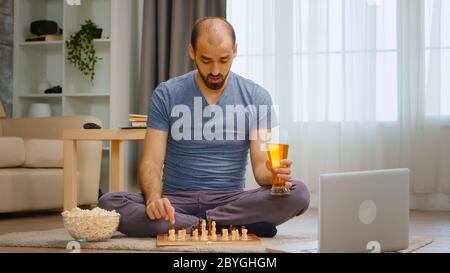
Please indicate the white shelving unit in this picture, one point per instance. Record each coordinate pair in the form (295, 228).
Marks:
(111, 96)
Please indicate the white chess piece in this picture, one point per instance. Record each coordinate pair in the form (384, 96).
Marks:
(213, 234)
(171, 234)
(194, 234)
(213, 231)
(203, 229)
(204, 236)
(244, 234)
(224, 234)
(181, 235)
(233, 235)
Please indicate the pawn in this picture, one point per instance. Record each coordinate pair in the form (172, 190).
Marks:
(244, 233)
(233, 234)
(213, 235)
(182, 234)
(224, 234)
(194, 234)
(171, 234)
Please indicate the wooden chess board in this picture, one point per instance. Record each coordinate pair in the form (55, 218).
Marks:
(163, 240)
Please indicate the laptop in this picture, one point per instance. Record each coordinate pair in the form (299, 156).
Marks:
(364, 211)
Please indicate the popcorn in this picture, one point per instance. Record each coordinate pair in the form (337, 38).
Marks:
(91, 225)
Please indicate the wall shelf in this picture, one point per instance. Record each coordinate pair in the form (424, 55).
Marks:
(48, 44)
(88, 95)
(40, 96)
(112, 94)
(102, 41)
(108, 96)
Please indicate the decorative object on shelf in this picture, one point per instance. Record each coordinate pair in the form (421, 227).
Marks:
(98, 33)
(54, 90)
(40, 110)
(45, 30)
(44, 27)
(45, 38)
(81, 50)
(44, 85)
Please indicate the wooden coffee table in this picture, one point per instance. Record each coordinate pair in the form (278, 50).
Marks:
(116, 136)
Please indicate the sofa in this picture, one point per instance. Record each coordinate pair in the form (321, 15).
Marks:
(31, 163)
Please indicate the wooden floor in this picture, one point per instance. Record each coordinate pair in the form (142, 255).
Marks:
(434, 224)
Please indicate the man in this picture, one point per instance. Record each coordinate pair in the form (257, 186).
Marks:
(188, 170)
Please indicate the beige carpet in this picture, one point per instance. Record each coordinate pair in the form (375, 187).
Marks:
(59, 238)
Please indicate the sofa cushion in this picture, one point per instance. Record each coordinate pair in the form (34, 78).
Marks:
(43, 153)
(31, 189)
(12, 152)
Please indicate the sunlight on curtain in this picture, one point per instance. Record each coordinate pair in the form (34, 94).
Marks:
(346, 52)
(361, 84)
(334, 79)
(437, 56)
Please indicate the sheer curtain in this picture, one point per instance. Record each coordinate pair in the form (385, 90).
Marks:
(360, 84)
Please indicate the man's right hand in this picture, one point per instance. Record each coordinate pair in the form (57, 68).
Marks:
(161, 209)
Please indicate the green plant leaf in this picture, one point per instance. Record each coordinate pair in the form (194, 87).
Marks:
(81, 51)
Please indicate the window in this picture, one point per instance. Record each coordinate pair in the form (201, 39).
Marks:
(344, 55)
(253, 21)
(348, 49)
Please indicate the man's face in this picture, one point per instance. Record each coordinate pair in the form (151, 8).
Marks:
(213, 59)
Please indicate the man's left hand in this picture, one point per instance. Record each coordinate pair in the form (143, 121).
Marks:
(283, 172)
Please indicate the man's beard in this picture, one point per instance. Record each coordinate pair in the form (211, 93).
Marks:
(210, 85)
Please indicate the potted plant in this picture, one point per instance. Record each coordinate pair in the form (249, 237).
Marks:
(81, 51)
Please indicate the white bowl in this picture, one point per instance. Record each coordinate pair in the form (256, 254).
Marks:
(91, 228)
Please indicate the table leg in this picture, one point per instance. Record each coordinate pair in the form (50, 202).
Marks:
(70, 172)
(116, 166)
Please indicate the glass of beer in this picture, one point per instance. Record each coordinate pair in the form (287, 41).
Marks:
(277, 151)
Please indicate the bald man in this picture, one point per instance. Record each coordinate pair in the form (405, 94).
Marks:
(201, 127)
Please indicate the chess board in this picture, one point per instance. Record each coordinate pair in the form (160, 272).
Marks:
(163, 240)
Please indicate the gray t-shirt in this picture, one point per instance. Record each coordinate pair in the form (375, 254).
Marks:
(208, 145)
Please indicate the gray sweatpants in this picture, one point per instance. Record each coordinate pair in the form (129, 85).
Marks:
(225, 207)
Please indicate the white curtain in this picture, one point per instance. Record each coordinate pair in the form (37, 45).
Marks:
(360, 84)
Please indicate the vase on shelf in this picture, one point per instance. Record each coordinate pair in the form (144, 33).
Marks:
(98, 33)
(40, 110)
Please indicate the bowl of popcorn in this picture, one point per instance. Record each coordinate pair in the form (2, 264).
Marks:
(91, 225)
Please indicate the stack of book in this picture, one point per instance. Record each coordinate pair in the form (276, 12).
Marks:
(44, 38)
(137, 120)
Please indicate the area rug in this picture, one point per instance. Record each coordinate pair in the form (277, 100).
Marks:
(59, 238)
